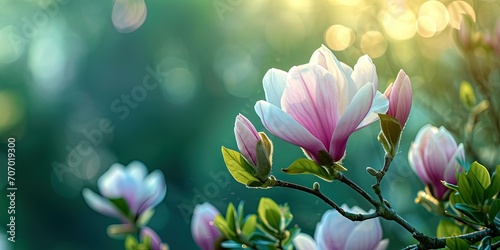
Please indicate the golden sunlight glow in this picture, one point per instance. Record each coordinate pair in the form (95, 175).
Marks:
(457, 9)
(437, 12)
(373, 43)
(426, 27)
(339, 37)
(345, 2)
(11, 112)
(399, 26)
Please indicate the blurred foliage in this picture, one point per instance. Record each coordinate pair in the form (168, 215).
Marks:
(167, 94)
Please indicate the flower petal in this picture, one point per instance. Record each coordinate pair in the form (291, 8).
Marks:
(308, 99)
(153, 191)
(366, 235)
(246, 138)
(417, 164)
(128, 15)
(203, 229)
(274, 84)
(99, 203)
(304, 242)
(382, 245)
(153, 236)
(379, 106)
(108, 182)
(333, 230)
(364, 72)
(350, 120)
(285, 127)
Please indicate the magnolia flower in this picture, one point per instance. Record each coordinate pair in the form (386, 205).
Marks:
(246, 139)
(155, 240)
(335, 232)
(139, 191)
(317, 106)
(304, 242)
(433, 156)
(128, 15)
(399, 95)
(203, 228)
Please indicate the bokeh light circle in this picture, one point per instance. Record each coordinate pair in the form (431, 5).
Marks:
(435, 11)
(457, 9)
(338, 37)
(400, 26)
(373, 43)
(426, 26)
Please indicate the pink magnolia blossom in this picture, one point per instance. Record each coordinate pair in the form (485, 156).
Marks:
(335, 232)
(203, 228)
(399, 95)
(246, 139)
(317, 106)
(128, 15)
(433, 156)
(140, 192)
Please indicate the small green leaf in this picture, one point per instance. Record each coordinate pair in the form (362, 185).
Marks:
(224, 228)
(119, 231)
(287, 217)
(494, 187)
(268, 145)
(465, 189)
(481, 173)
(238, 167)
(249, 225)
(145, 217)
(391, 132)
(493, 212)
(450, 186)
(269, 214)
(122, 206)
(457, 244)
(485, 244)
(130, 243)
(471, 212)
(447, 228)
(467, 96)
(231, 218)
(263, 162)
(306, 166)
(240, 212)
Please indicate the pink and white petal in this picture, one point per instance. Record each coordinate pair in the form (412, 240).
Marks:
(304, 242)
(136, 170)
(154, 191)
(128, 15)
(308, 99)
(452, 168)
(274, 83)
(285, 127)
(404, 100)
(435, 162)
(446, 141)
(350, 120)
(379, 106)
(366, 235)
(333, 230)
(417, 164)
(99, 203)
(382, 245)
(364, 72)
(246, 138)
(108, 182)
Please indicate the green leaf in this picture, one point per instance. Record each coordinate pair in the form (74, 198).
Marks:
(494, 187)
(224, 228)
(263, 161)
(241, 171)
(467, 96)
(130, 243)
(447, 228)
(269, 214)
(287, 217)
(391, 133)
(240, 212)
(249, 225)
(461, 218)
(481, 173)
(122, 206)
(471, 212)
(231, 218)
(465, 189)
(293, 233)
(145, 217)
(268, 145)
(450, 186)
(493, 212)
(457, 244)
(306, 166)
(485, 244)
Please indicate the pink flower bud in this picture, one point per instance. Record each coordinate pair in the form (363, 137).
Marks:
(203, 228)
(400, 98)
(156, 243)
(335, 232)
(434, 156)
(246, 139)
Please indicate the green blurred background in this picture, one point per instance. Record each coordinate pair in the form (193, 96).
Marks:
(62, 77)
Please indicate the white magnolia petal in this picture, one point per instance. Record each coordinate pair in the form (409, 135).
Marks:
(379, 106)
(364, 72)
(108, 182)
(153, 191)
(99, 203)
(274, 83)
(382, 245)
(366, 235)
(350, 120)
(417, 164)
(304, 242)
(285, 127)
(333, 230)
